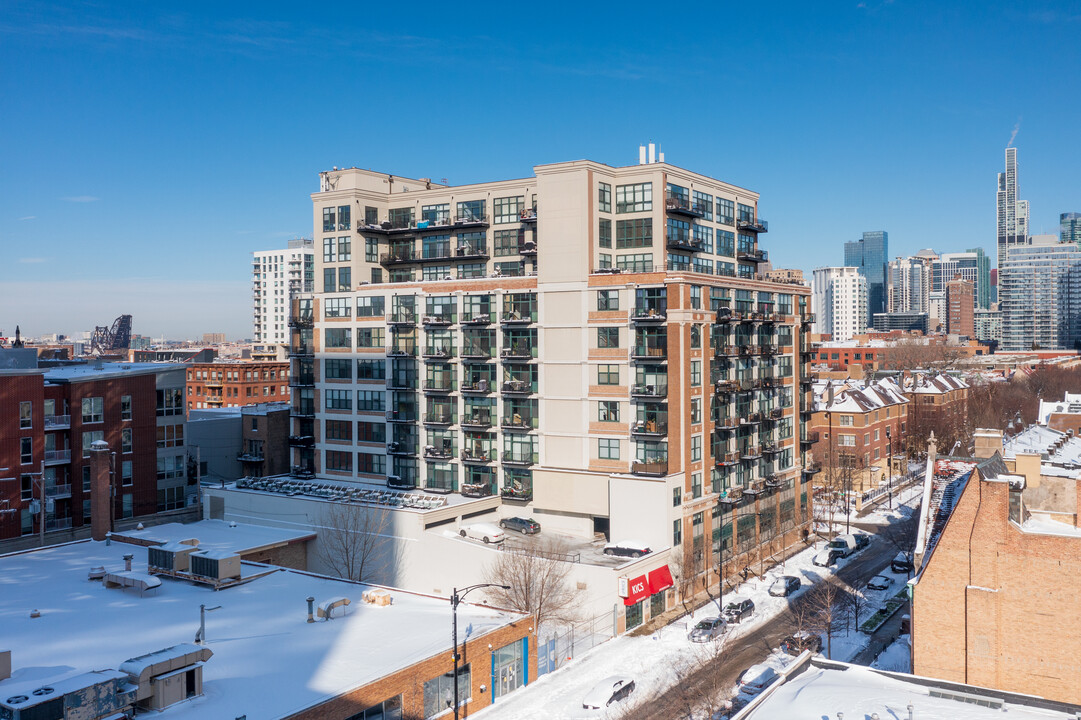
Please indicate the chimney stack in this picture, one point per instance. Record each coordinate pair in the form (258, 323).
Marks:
(101, 502)
(127, 562)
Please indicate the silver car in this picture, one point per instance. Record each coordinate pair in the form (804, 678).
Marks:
(707, 629)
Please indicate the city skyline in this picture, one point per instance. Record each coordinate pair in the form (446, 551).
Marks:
(152, 152)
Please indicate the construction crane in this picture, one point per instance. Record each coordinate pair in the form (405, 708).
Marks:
(106, 339)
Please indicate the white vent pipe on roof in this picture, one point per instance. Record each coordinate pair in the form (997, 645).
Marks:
(652, 153)
(641, 154)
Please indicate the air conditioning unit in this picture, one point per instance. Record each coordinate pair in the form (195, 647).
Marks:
(215, 565)
(171, 557)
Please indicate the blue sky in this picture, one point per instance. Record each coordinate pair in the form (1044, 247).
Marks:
(148, 148)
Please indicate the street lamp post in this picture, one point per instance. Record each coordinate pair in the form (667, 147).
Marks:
(456, 598)
(889, 463)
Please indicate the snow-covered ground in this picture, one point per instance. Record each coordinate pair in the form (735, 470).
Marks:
(658, 661)
(897, 657)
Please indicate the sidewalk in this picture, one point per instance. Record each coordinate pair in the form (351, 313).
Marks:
(881, 638)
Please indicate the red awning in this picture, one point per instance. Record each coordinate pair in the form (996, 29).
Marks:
(660, 579)
(637, 589)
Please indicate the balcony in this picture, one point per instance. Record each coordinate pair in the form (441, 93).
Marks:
(471, 221)
(442, 386)
(435, 223)
(477, 351)
(402, 416)
(484, 318)
(57, 422)
(650, 352)
(748, 350)
(727, 423)
(727, 314)
(402, 350)
(255, 456)
(57, 457)
(519, 458)
(478, 456)
(480, 387)
(527, 248)
(517, 492)
(476, 420)
(397, 482)
(302, 380)
(686, 243)
(431, 452)
(518, 421)
(303, 410)
(402, 448)
(402, 316)
(58, 491)
(301, 350)
(438, 319)
(682, 205)
(515, 317)
(649, 391)
(809, 439)
(469, 252)
(439, 417)
(304, 321)
(807, 318)
(528, 216)
(812, 467)
(402, 381)
(732, 495)
(651, 428)
(439, 352)
(301, 441)
(655, 468)
(767, 349)
(728, 459)
(518, 387)
(752, 225)
(755, 487)
(648, 313)
(518, 351)
(755, 256)
(751, 419)
(725, 387)
(398, 257)
(776, 414)
(726, 350)
(770, 448)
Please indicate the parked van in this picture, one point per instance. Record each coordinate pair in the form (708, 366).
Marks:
(846, 544)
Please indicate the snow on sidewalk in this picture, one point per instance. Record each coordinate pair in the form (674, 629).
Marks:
(655, 662)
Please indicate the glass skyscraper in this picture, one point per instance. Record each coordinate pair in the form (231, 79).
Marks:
(871, 254)
(1040, 290)
(1070, 227)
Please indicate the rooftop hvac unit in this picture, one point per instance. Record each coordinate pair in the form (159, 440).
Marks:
(215, 565)
(170, 557)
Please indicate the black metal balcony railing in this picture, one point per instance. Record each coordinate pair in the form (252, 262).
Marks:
(755, 225)
(480, 386)
(518, 387)
(481, 318)
(301, 441)
(527, 248)
(478, 455)
(302, 380)
(649, 313)
(683, 205)
(476, 419)
(255, 456)
(402, 350)
(402, 316)
(471, 220)
(471, 252)
(727, 458)
(405, 448)
(432, 452)
(473, 351)
(519, 458)
(518, 317)
(398, 257)
(303, 409)
(684, 242)
(650, 467)
(301, 350)
(439, 417)
(439, 319)
(303, 321)
(528, 216)
(650, 352)
(727, 314)
(439, 386)
(807, 318)
(755, 256)
(518, 351)
(727, 423)
(402, 415)
(656, 427)
(656, 390)
(518, 421)
(810, 438)
(437, 352)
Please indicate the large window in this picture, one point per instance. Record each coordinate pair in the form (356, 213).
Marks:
(439, 691)
(340, 369)
(330, 250)
(373, 306)
(371, 400)
(390, 709)
(726, 211)
(471, 211)
(642, 262)
(608, 449)
(170, 435)
(340, 461)
(26, 449)
(339, 430)
(401, 217)
(604, 236)
(506, 242)
(604, 197)
(371, 369)
(608, 411)
(26, 417)
(169, 402)
(634, 198)
(435, 247)
(125, 407)
(634, 233)
(339, 338)
(435, 213)
(508, 210)
(608, 337)
(608, 300)
(94, 409)
(345, 249)
(509, 668)
(336, 307)
(370, 337)
(608, 374)
(338, 399)
(328, 220)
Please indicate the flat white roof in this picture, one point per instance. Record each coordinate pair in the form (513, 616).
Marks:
(90, 371)
(858, 692)
(268, 660)
(217, 535)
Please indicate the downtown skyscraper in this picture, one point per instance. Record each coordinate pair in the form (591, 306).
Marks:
(870, 254)
(1012, 213)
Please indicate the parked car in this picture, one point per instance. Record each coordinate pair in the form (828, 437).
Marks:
(901, 563)
(737, 610)
(526, 526)
(879, 582)
(800, 641)
(607, 691)
(846, 544)
(627, 548)
(707, 629)
(826, 557)
(487, 532)
(784, 586)
(862, 540)
(757, 678)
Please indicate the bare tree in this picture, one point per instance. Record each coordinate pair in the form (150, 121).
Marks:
(539, 581)
(682, 567)
(826, 611)
(854, 602)
(355, 542)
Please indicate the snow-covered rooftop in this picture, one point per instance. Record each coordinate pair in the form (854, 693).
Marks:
(92, 371)
(824, 689)
(268, 660)
(853, 396)
(928, 384)
(1055, 447)
(218, 535)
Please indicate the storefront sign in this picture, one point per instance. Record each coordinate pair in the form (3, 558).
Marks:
(637, 589)
(660, 579)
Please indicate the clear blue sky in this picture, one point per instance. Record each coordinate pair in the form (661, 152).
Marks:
(147, 149)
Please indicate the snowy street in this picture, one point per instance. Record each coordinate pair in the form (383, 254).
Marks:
(661, 660)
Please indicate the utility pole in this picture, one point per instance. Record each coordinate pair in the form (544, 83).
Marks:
(889, 461)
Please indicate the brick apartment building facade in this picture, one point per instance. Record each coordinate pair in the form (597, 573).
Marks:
(51, 418)
(960, 307)
(592, 344)
(235, 384)
(995, 604)
(264, 443)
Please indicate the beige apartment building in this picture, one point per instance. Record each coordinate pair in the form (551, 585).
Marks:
(592, 344)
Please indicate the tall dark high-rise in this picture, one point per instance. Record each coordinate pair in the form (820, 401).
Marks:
(1070, 227)
(870, 254)
(1012, 213)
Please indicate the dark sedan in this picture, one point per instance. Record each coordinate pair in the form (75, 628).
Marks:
(526, 526)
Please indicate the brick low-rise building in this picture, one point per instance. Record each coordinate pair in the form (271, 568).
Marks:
(51, 418)
(235, 384)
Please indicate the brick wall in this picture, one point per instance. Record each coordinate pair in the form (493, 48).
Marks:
(409, 682)
(996, 606)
